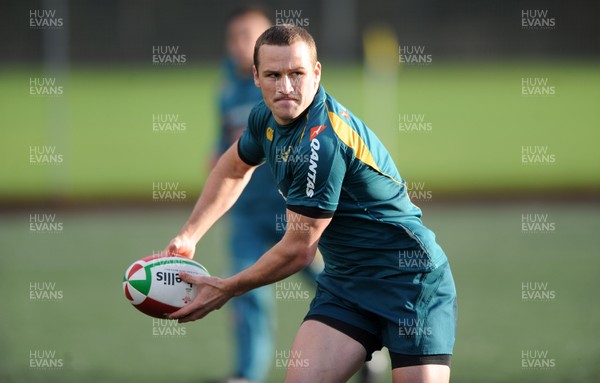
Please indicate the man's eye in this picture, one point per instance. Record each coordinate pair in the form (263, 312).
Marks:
(273, 75)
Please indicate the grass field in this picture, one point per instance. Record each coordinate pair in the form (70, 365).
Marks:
(102, 126)
(100, 338)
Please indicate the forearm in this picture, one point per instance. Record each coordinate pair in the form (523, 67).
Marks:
(295, 251)
(223, 186)
(278, 263)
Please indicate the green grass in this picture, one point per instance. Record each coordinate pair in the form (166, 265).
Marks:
(104, 131)
(102, 338)
(102, 126)
(93, 328)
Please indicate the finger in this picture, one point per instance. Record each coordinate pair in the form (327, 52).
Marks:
(200, 281)
(172, 248)
(195, 304)
(191, 312)
(186, 310)
(198, 314)
(187, 277)
(193, 279)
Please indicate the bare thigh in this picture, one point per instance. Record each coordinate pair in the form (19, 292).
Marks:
(428, 373)
(326, 355)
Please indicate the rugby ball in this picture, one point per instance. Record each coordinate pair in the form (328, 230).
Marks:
(153, 286)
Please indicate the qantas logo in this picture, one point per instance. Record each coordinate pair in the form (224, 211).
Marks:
(315, 130)
(311, 178)
(312, 168)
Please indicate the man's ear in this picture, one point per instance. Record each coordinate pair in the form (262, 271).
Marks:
(255, 73)
(318, 72)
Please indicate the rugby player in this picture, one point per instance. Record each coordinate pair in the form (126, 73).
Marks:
(386, 281)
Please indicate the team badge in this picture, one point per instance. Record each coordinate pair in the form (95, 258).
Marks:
(270, 132)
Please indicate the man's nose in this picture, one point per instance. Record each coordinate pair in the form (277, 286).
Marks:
(285, 85)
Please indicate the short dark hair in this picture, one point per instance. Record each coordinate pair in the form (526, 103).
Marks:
(285, 34)
(245, 9)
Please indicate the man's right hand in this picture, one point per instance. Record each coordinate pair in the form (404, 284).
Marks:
(181, 245)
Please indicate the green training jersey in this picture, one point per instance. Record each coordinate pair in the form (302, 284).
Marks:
(328, 163)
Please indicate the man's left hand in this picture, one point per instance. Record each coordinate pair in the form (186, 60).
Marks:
(212, 294)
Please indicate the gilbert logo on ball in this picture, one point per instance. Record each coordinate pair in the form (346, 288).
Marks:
(152, 284)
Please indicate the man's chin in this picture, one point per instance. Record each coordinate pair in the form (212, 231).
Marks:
(287, 115)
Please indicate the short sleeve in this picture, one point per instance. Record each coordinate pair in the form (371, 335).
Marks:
(317, 181)
(249, 148)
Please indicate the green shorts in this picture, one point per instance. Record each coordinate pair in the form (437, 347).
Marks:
(412, 314)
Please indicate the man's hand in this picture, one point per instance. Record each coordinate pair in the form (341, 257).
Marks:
(212, 294)
(181, 245)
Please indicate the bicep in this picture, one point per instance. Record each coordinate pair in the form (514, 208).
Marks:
(302, 232)
(233, 163)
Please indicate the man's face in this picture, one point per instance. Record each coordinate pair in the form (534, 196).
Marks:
(288, 79)
(242, 33)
